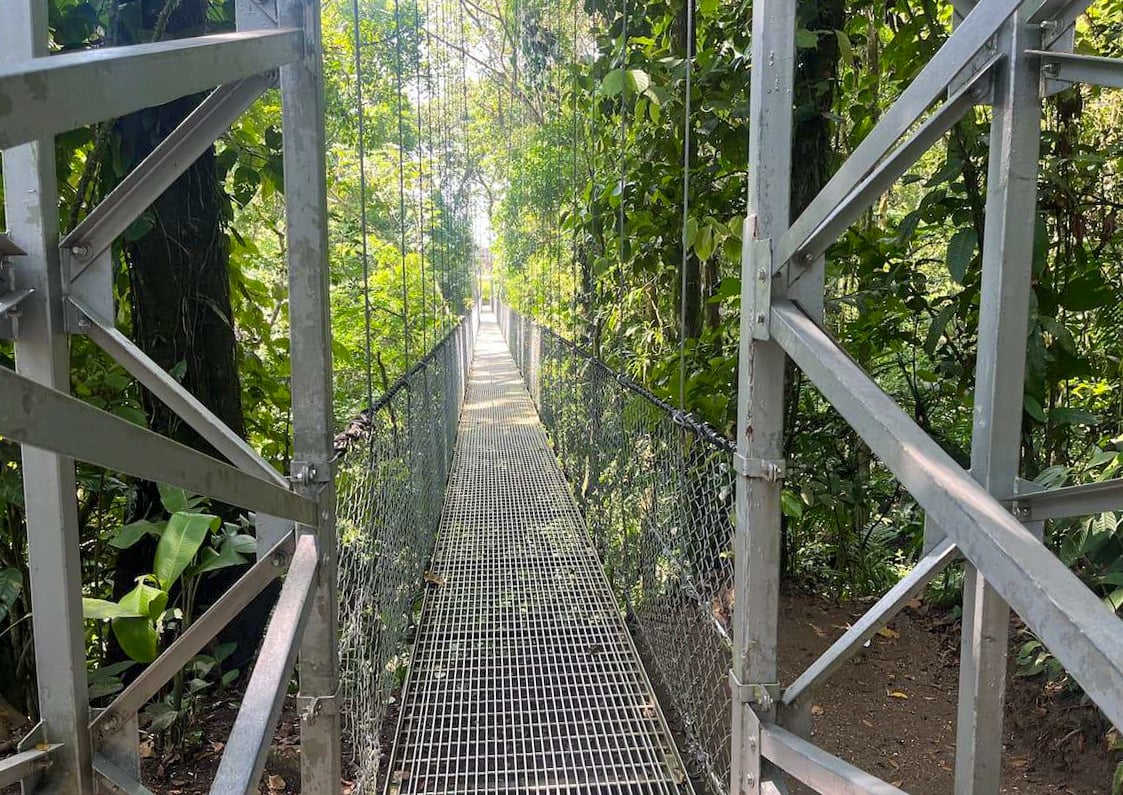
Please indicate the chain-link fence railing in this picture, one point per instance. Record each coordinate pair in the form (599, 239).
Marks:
(656, 489)
(392, 464)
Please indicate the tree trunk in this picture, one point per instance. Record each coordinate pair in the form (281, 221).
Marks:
(180, 297)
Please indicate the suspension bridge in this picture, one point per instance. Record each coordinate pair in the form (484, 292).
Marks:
(598, 573)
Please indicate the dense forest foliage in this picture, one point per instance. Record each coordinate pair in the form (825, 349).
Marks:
(564, 128)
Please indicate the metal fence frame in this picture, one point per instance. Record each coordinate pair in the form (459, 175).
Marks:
(1009, 54)
(63, 287)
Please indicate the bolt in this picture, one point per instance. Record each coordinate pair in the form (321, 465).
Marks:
(749, 780)
(760, 318)
(762, 274)
(806, 258)
(280, 559)
(1051, 69)
(752, 743)
(80, 250)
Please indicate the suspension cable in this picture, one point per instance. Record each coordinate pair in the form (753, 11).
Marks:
(363, 203)
(401, 183)
(689, 66)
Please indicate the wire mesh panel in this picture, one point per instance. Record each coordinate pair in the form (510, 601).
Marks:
(392, 465)
(524, 678)
(656, 489)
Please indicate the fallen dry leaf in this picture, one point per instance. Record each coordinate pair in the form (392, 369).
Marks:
(433, 578)
(817, 710)
(867, 724)
(887, 632)
(275, 783)
(896, 694)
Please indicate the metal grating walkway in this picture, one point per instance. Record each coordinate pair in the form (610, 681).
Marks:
(523, 678)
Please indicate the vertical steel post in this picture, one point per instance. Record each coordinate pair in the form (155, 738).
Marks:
(43, 354)
(310, 323)
(999, 382)
(760, 391)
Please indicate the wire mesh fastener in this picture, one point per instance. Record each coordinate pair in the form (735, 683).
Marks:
(770, 469)
(308, 472)
(754, 693)
(309, 707)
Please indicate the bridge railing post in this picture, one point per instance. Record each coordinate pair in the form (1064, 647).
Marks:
(42, 354)
(1007, 263)
(760, 396)
(310, 329)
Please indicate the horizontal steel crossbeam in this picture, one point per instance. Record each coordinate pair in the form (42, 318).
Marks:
(45, 418)
(1069, 67)
(1084, 635)
(17, 767)
(1081, 500)
(46, 96)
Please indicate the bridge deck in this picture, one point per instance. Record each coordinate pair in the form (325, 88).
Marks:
(524, 678)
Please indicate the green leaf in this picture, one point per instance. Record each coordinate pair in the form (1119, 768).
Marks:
(936, 330)
(212, 560)
(11, 583)
(613, 83)
(1114, 600)
(1067, 416)
(242, 543)
(691, 230)
(145, 600)
(162, 716)
(1117, 780)
(176, 499)
(179, 544)
(791, 504)
(103, 610)
(127, 535)
(704, 243)
(1033, 408)
(806, 39)
(638, 80)
(961, 249)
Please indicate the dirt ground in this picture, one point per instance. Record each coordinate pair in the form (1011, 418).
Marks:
(891, 710)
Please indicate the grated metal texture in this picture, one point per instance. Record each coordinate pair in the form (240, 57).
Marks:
(656, 489)
(523, 678)
(392, 463)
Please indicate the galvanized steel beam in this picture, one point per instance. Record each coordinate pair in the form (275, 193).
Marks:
(760, 384)
(51, 420)
(248, 744)
(1076, 627)
(202, 630)
(969, 38)
(1082, 500)
(871, 621)
(306, 223)
(16, 768)
(1067, 67)
(1007, 264)
(185, 405)
(816, 768)
(892, 168)
(156, 173)
(42, 356)
(43, 96)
